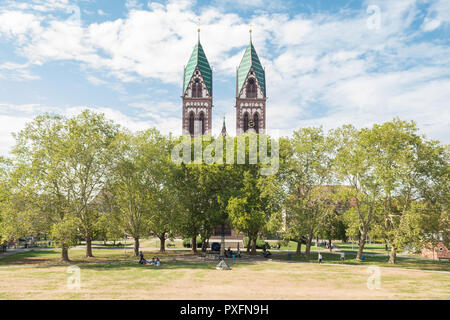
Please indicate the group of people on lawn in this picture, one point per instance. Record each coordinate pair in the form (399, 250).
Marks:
(155, 261)
(228, 254)
(231, 254)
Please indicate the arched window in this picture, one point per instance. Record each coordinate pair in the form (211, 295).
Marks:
(191, 123)
(251, 88)
(245, 122)
(202, 123)
(197, 89)
(256, 121)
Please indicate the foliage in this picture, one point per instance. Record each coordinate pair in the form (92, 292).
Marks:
(85, 177)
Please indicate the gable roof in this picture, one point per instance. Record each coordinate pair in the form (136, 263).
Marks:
(251, 60)
(198, 59)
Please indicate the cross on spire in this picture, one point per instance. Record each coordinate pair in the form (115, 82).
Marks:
(198, 26)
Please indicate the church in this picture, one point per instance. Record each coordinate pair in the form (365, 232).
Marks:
(250, 105)
(197, 94)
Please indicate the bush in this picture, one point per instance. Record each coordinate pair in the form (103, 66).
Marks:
(187, 242)
(260, 242)
(283, 243)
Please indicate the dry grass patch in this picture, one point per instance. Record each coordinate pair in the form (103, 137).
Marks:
(198, 280)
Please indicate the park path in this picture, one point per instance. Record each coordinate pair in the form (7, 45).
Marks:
(14, 251)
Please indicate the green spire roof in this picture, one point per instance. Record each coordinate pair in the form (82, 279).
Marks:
(198, 59)
(250, 60)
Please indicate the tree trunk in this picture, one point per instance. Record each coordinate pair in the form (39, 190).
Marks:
(248, 244)
(308, 245)
(254, 245)
(194, 244)
(299, 247)
(361, 243)
(329, 244)
(136, 246)
(65, 253)
(204, 245)
(162, 241)
(308, 248)
(392, 255)
(222, 241)
(89, 247)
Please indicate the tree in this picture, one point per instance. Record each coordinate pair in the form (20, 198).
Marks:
(434, 194)
(406, 167)
(308, 169)
(164, 207)
(257, 200)
(195, 202)
(108, 227)
(331, 224)
(200, 190)
(40, 168)
(354, 166)
(89, 154)
(65, 233)
(134, 181)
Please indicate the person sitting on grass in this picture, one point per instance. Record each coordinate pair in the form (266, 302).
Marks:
(266, 254)
(142, 260)
(158, 263)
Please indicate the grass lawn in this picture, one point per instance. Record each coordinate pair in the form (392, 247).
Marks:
(368, 247)
(34, 275)
(381, 261)
(292, 245)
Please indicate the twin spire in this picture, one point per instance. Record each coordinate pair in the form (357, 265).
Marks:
(198, 60)
(198, 92)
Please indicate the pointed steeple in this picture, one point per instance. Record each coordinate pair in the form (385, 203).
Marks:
(251, 60)
(224, 128)
(198, 60)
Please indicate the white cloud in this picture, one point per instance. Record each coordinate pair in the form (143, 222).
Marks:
(14, 117)
(16, 72)
(438, 14)
(321, 69)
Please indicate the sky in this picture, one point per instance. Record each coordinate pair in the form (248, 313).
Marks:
(328, 63)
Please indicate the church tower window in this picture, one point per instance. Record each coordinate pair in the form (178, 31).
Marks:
(197, 89)
(246, 122)
(251, 88)
(191, 123)
(256, 121)
(202, 123)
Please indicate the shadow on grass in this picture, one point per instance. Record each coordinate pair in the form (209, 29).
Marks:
(48, 258)
(379, 260)
(29, 257)
(165, 265)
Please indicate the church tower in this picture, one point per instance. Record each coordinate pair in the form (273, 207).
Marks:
(250, 93)
(197, 93)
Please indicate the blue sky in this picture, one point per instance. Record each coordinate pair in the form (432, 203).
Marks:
(327, 63)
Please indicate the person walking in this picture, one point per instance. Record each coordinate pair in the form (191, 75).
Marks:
(320, 258)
